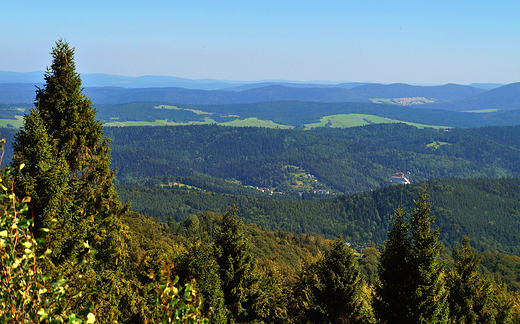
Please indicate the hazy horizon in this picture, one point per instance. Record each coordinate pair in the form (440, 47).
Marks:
(322, 82)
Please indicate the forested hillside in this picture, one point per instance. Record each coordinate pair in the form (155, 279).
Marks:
(296, 113)
(345, 160)
(487, 210)
(186, 92)
(286, 114)
(503, 98)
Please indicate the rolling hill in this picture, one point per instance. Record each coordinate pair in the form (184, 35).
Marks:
(487, 210)
(346, 160)
(444, 93)
(185, 91)
(503, 98)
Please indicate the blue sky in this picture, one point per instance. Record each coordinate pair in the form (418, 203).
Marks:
(428, 42)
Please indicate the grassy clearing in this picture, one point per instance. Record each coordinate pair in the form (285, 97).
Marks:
(15, 123)
(254, 122)
(437, 144)
(353, 120)
(482, 111)
(338, 121)
(134, 123)
(207, 120)
(180, 185)
(196, 111)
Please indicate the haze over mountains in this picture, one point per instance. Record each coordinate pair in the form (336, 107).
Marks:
(114, 89)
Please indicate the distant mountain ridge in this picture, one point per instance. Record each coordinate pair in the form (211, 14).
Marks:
(19, 88)
(155, 81)
(24, 93)
(447, 92)
(504, 98)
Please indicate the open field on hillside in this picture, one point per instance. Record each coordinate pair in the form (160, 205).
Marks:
(353, 120)
(437, 144)
(16, 123)
(255, 122)
(196, 111)
(337, 121)
(482, 111)
(155, 123)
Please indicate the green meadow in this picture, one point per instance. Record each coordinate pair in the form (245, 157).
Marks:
(15, 123)
(353, 120)
(482, 111)
(437, 144)
(254, 122)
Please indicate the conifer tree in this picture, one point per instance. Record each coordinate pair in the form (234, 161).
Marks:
(304, 307)
(471, 297)
(392, 289)
(340, 295)
(411, 287)
(429, 304)
(330, 289)
(69, 177)
(62, 145)
(202, 265)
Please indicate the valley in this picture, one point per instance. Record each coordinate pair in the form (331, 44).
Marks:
(301, 173)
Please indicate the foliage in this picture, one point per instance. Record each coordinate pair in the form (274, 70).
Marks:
(29, 292)
(200, 262)
(68, 177)
(236, 267)
(369, 262)
(178, 305)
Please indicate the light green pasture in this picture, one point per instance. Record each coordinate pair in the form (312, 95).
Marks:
(254, 122)
(16, 123)
(353, 120)
(482, 111)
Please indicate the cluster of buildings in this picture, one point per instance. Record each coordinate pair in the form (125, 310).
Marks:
(400, 178)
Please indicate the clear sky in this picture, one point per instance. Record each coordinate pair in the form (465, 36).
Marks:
(429, 42)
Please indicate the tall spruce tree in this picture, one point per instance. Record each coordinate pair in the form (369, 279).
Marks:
(411, 287)
(430, 304)
(67, 173)
(67, 159)
(392, 290)
(340, 296)
(202, 265)
(330, 289)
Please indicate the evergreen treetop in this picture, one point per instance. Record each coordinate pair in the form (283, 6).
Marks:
(411, 286)
(68, 114)
(67, 173)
